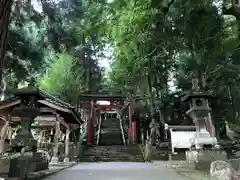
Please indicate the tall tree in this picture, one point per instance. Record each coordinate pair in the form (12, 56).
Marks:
(5, 10)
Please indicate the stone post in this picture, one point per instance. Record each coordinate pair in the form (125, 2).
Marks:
(66, 158)
(54, 159)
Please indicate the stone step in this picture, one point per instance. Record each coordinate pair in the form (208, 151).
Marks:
(113, 159)
(115, 156)
(113, 153)
(110, 160)
(109, 152)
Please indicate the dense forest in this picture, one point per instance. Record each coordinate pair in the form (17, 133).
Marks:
(155, 48)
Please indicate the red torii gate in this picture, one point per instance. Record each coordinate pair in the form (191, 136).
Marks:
(88, 102)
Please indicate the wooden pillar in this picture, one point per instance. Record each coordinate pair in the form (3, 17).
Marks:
(51, 133)
(54, 159)
(40, 138)
(4, 134)
(98, 116)
(79, 143)
(66, 158)
(90, 126)
(134, 129)
(10, 132)
(130, 123)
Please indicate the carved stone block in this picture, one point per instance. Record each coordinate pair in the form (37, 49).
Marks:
(203, 159)
(220, 170)
(4, 166)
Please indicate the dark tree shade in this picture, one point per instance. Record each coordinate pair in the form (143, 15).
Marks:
(5, 10)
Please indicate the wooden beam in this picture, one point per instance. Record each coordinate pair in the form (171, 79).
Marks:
(47, 109)
(9, 104)
(100, 106)
(101, 97)
(54, 106)
(47, 123)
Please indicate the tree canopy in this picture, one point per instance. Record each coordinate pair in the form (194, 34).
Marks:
(155, 48)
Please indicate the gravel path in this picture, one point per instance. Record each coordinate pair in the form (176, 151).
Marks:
(116, 171)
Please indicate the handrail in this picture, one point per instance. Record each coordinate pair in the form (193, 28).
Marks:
(124, 106)
(121, 127)
(99, 129)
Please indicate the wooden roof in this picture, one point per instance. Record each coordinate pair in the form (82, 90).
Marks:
(46, 102)
(186, 96)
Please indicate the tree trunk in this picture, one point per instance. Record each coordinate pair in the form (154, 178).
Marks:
(231, 97)
(5, 10)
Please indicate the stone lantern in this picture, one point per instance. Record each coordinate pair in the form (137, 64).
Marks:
(199, 112)
(24, 157)
(27, 111)
(204, 146)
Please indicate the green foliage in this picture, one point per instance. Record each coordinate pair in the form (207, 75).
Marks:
(43, 49)
(153, 44)
(60, 79)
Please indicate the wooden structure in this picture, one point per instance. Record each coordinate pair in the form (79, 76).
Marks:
(54, 114)
(92, 112)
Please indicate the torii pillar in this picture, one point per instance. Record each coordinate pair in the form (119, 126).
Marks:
(90, 125)
(132, 131)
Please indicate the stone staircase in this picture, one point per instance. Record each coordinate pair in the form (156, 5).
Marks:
(111, 133)
(111, 146)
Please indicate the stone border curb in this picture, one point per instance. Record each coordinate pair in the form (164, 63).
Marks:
(45, 174)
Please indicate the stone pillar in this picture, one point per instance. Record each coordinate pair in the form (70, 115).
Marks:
(66, 158)
(3, 134)
(54, 159)
(90, 126)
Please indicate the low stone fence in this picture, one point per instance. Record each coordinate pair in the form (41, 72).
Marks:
(225, 170)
